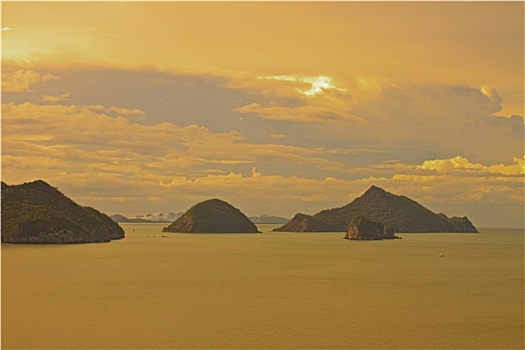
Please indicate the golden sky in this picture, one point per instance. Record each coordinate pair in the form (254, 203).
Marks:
(280, 107)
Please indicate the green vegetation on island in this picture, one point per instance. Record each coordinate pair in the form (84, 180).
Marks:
(400, 213)
(212, 216)
(36, 212)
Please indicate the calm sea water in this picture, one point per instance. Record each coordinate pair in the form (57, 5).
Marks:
(270, 290)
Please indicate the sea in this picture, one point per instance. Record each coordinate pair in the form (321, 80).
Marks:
(273, 290)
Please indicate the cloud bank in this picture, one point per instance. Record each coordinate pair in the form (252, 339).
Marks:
(443, 145)
(22, 80)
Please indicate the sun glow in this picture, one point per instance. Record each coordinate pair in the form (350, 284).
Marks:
(318, 84)
(491, 93)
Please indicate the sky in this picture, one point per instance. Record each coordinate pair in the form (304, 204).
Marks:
(277, 108)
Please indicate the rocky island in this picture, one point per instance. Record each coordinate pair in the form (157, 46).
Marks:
(36, 212)
(213, 216)
(361, 228)
(400, 213)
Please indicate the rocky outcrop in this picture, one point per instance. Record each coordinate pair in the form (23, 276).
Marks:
(388, 233)
(361, 228)
(36, 212)
(400, 213)
(212, 216)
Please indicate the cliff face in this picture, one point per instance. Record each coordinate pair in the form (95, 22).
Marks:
(36, 212)
(212, 216)
(400, 213)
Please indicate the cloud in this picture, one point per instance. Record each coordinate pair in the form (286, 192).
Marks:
(457, 180)
(461, 165)
(22, 80)
(317, 85)
(294, 98)
(108, 161)
(59, 98)
(491, 93)
(372, 84)
(441, 145)
(275, 136)
(113, 163)
(467, 190)
(126, 111)
(441, 121)
(274, 193)
(87, 139)
(287, 195)
(306, 113)
(418, 119)
(411, 122)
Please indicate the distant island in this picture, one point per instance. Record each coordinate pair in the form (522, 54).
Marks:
(150, 218)
(121, 218)
(213, 216)
(400, 213)
(169, 218)
(36, 212)
(265, 219)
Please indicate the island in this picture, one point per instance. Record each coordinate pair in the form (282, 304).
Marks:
(361, 228)
(265, 219)
(37, 212)
(400, 213)
(121, 218)
(213, 216)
